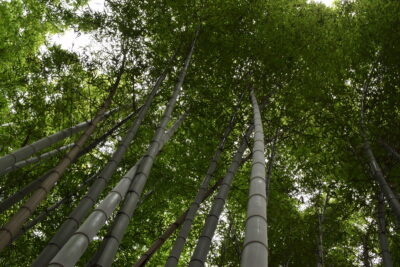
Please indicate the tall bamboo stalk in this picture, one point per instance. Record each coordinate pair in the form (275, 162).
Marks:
(255, 248)
(104, 256)
(382, 233)
(13, 226)
(203, 244)
(79, 213)
(374, 166)
(320, 242)
(187, 224)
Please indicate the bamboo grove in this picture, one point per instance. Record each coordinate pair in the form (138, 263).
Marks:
(200, 133)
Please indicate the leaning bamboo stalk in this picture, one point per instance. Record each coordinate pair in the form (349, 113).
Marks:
(79, 213)
(204, 242)
(187, 224)
(34, 159)
(255, 248)
(53, 207)
(173, 226)
(79, 241)
(11, 159)
(13, 226)
(376, 170)
(20, 194)
(108, 249)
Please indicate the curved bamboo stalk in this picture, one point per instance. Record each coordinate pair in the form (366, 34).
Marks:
(110, 244)
(255, 248)
(79, 241)
(13, 199)
(203, 244)
(13, 226)
(9, 160)
(84, 206)
(187, 224)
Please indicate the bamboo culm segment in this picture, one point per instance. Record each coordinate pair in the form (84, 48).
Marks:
(255, 247)
(187, 224)
(106, 253)
(7, 203)
(8, 161)
(87, 202)
(203, 244)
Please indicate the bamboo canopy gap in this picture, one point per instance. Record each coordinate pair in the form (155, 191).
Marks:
(203, 133)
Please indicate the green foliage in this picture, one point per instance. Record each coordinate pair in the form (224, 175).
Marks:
(307, 63)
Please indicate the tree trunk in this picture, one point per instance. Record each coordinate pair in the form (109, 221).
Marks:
(382, 234)
(203, 244)
(10, 201)
(380, 179)
(320, 244)
(365, 256)
(375, 168)
(255, 248)
(187, 224)
(79, 213)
